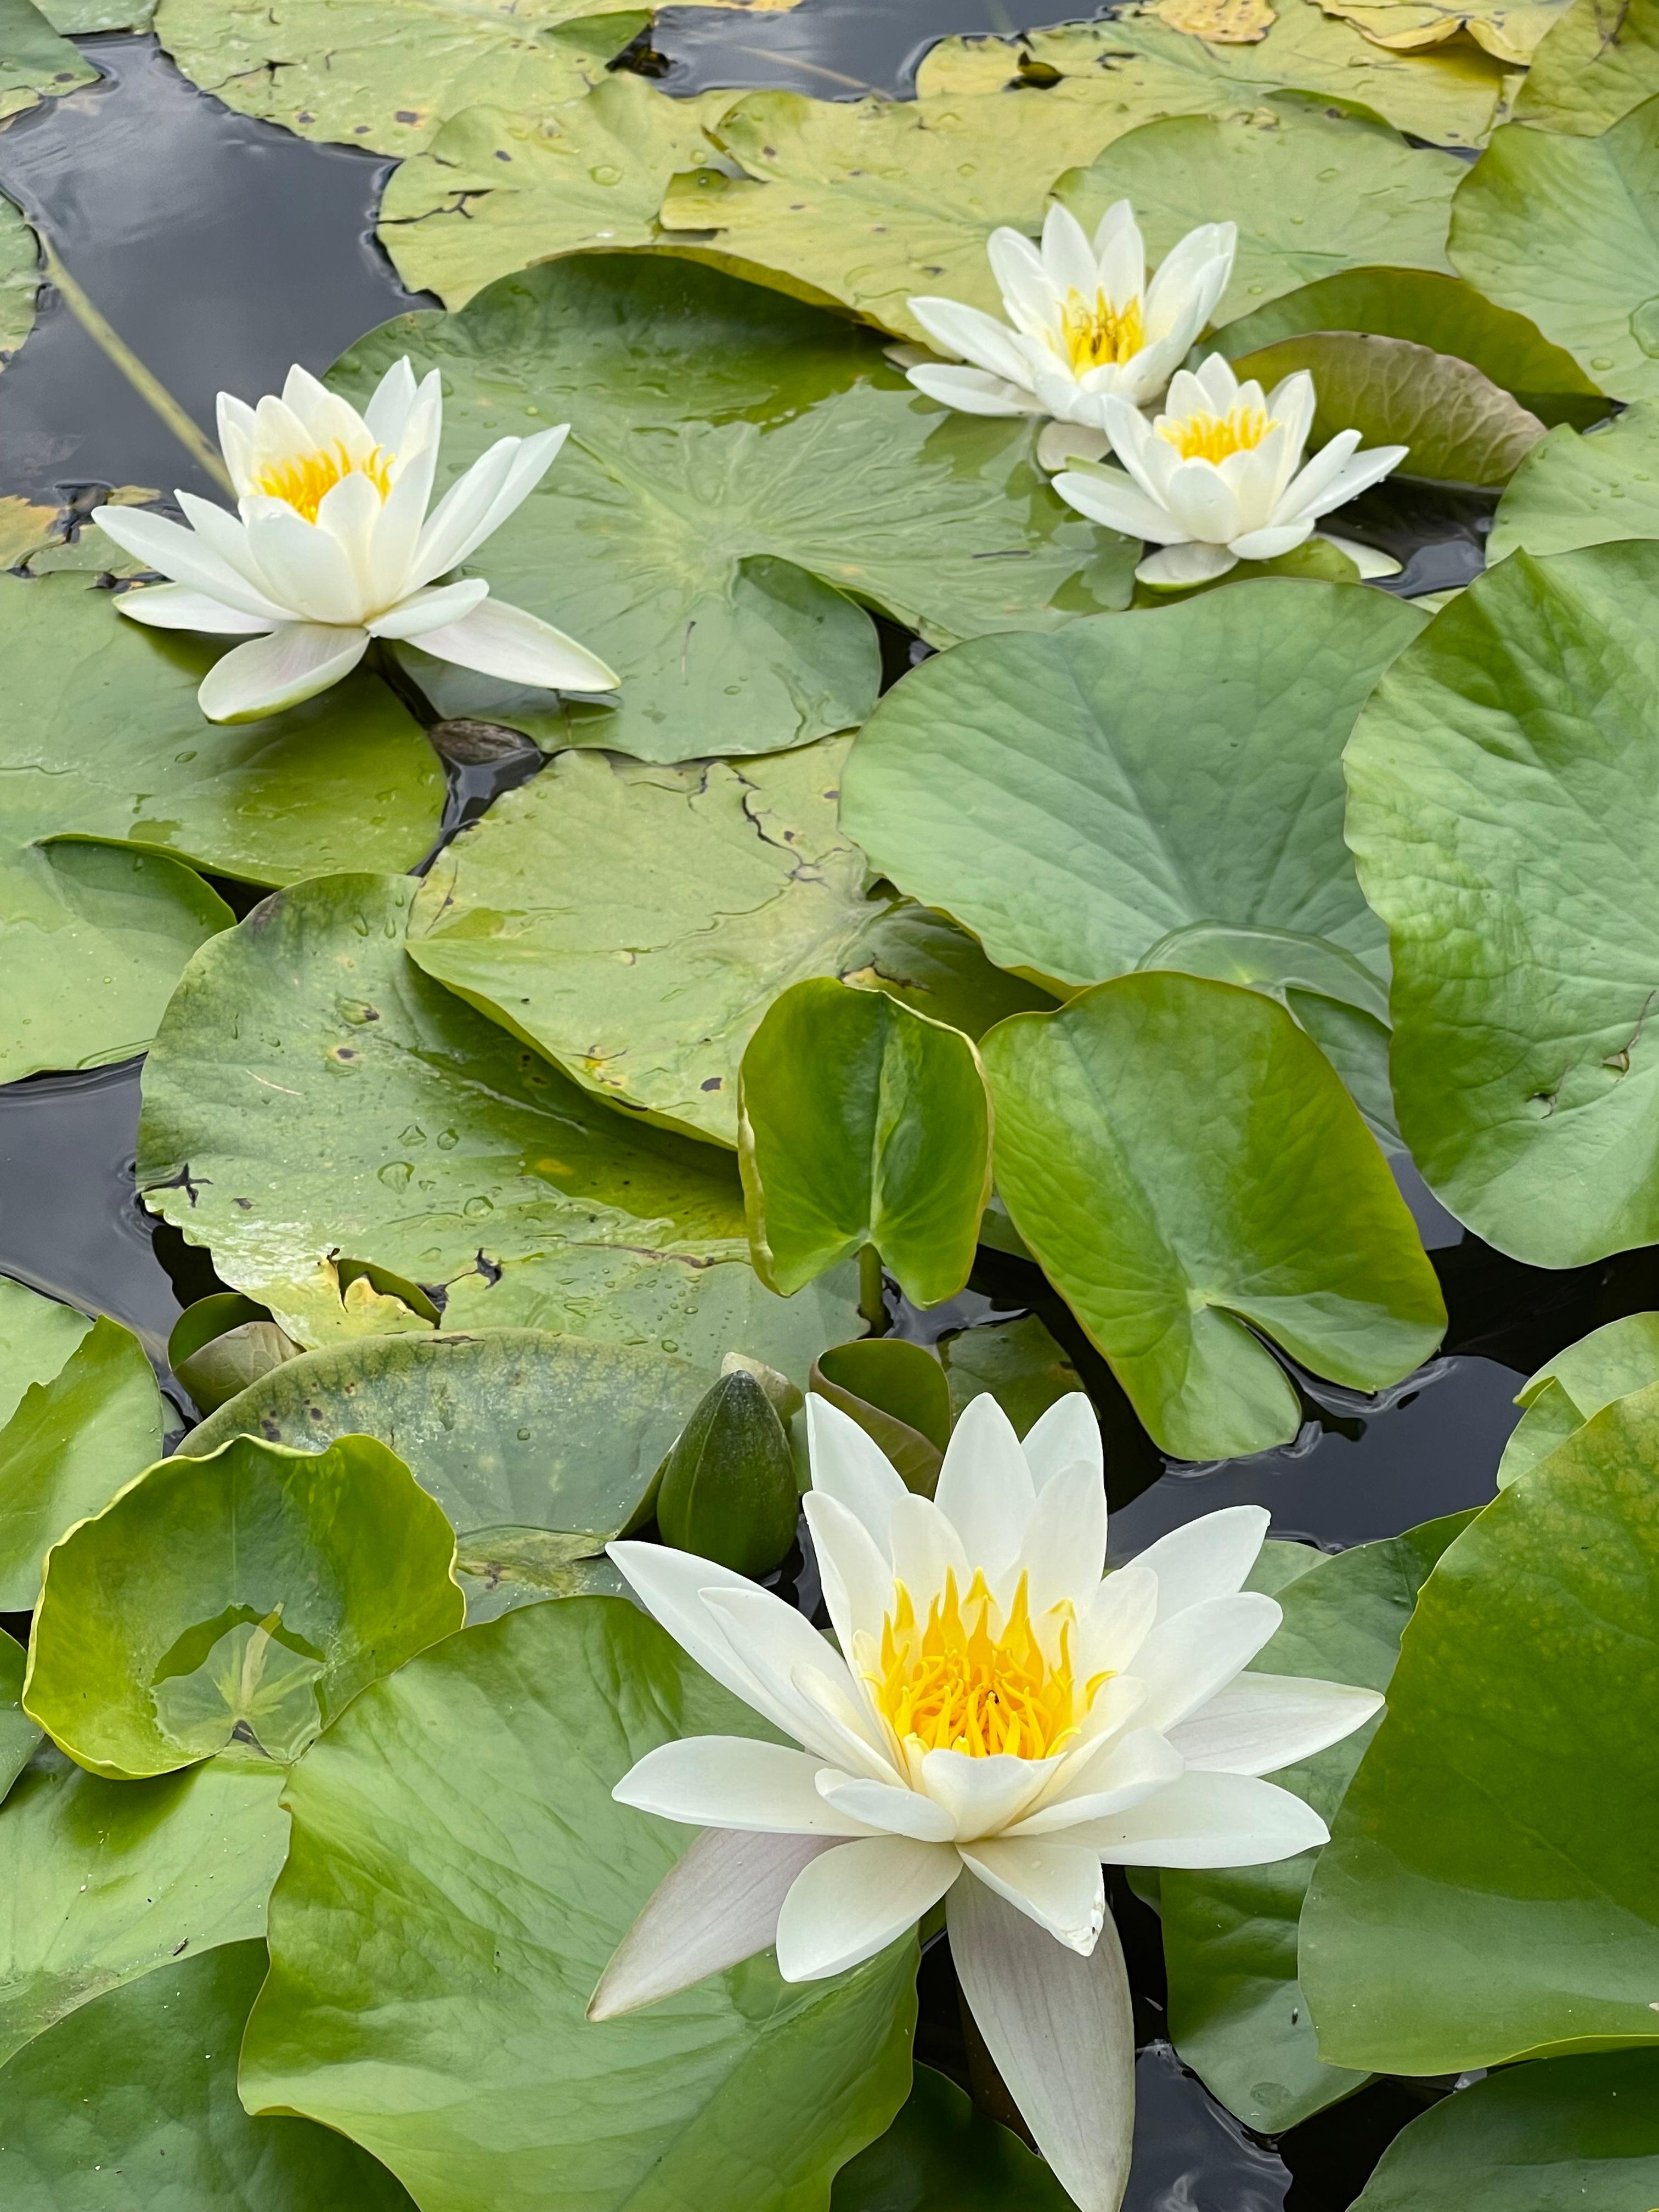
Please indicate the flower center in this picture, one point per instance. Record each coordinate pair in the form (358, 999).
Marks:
(969, 1679)
(1213, 437)
(1097, 333)
(305, 482)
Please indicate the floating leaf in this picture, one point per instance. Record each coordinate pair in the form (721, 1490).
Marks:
(1143, 67)
(1573, 491)
(943, 2151)
(1458, 425)
(1429, 309)
(1189, 1171)
(93, 937)
(835, 483)
(862, 1124)
(1062, 798)
(18, 1734)
(1236, 2012)
(35, 63)
(142, 2083)
(107, 1880)
(71, 1445)
(1223, 22)
(1490, 807)
(1579, 2131)
(897, 1393)
(1487, 1893)
(79, 18)
(223, 1344)
(37, 1335)
(514, 1428)
(1018, 1362)
(1557, 228)
(385, 1119)
(1575, 1385)
(728, 1489)
(634, 923)
(242, 1599)
(500, 1569)
(1509, 30)
(20, 283)
(1313, 190)
(1597, 62)
(457, 2051)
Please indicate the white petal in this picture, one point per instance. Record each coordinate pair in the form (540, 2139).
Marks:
(1061, 2031)
(1203, 503)
(1277, 539)
(1180, 565)
(1068, 258)
(237, 425)
(520, 648)
(1120, 254)
(453, 521)
(350, 512)
(1057, 1884)
(670, 1585)
(309, 572)
(927, 1547)
(985, 1486)
(974, 336)
(971, 390)
(849, 1465)
(268, 673)
(403, 513)
(983, 1795)
(857, 1899)
(184, 557)
(1123, 1774)
(1063, 1546)
(1261, 1722)
(858, 1581)
(1059, 443)
(1118, 1620)
(1360, 473)
(430, 609)
(845, 1725)
(1221, 389)
(1327, 464)
(1116, 504)
(387, 413)
(885, 1806)
(1207, 1558)
(175, 607)
(1067, 1433)
(1028, 294)
(226, 534)
(325, 415)
(529, 464)
(1190, 279)
(1188, 1658)
(772, 1641)
(716, 1907)
(1291, 402)
(1369, 560)
(1208, 1821)
(731, 1781)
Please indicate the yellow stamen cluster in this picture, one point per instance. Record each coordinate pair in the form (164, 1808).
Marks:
(967, 1680)
(1204, 437)
(1097, 333)
(305, 483)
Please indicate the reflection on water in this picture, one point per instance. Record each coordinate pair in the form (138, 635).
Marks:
(240, 1680)
(832, 49)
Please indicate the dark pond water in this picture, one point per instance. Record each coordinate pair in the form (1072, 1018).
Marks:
(221, 249)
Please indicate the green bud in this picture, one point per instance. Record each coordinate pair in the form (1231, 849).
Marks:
(728, 1487)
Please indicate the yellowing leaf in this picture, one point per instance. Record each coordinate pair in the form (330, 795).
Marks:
(1221, 22)
(1511, 33)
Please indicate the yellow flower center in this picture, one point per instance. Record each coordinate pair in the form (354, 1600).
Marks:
(969, 1680)
(1213, 437)
(305, 483)
(1096, 333)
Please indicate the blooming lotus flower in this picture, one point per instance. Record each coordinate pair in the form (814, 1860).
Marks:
(334, 546)
(1217, 478)
(1001, 1718)
(1086, 324)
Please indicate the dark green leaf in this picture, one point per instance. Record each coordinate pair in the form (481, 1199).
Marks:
(728, 1487)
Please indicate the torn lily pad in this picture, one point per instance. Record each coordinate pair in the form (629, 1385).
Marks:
(1510, 30)
(1573, 490)
(1597, 62)
(1575, 1385)
(35, 63)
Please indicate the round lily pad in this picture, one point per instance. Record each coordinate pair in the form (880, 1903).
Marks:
(1593, 68)
(1573, 490)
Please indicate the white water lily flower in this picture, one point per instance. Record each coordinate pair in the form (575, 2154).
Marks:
(334, 546)
(1002, 1717)
(1086, 324)
(1218, 478)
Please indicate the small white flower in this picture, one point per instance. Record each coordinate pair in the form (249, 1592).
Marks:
(334, 546)
(1217, 478)
(1000, 1710)
(1086, 324)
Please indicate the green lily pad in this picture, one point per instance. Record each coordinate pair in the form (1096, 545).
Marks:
(1458, 426)
(863, 1124)
(108, 1880)
(18, 1736)
(35, 63)
(943, 2151)
(458, 2052)
(1143, 67)
(223, 1344)
(141, 2084)
(1314, 190)
(386, 73)
(508, 183)
(20, 267)
(79, 18)
(514, 1429)
(1238, 2015)
(1572, 1388)
(70, 1446)
(1059, 796)
(898, 1394)
(1189, 1170)
(500, 1569)
(1558, 228)
(92, 939)
(1594, 66)
(1428, 309)
(633, 923)
(1488, 810)
(719, 565)
(37, 1335)
(244, 1599)
(1487, 1893)
(1579, 2131)
(1018, 1362)
(453, 1156)
(1572, 491)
